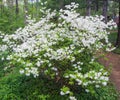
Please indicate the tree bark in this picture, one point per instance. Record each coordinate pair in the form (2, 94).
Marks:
(88, 9)
(61, 4)
(37, 7)
(118, 34)
(96, 5)
(1, 7)
(25, 11)
(17, 7)
(105, 9)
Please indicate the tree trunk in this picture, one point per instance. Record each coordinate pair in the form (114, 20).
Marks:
(88, 12)
(61, 4)
(96, 5)
(25, 11)
(17, 8)
(1, 7)
(37, 4)
(105, 9)
(37, 8)
(118, 35)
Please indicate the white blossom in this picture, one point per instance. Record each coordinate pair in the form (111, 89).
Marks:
(72, 98)
(22, 71)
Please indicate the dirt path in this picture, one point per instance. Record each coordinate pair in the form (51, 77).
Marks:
(113, 61)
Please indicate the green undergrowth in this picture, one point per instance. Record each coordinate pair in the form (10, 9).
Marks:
(112, 39)
(117, 50)
(9, 21)
(14, 86)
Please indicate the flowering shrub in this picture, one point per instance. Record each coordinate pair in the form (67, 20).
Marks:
(64, 50)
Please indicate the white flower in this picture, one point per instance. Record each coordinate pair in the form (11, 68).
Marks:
(62, 93)
(97, 86)
(104, 83)
(85, 84)
(38, 63)
(28, 64)
(67, 92)
(5, 68)
(79, 81)
(27, 74)
(87, 90)
(21, 71)
(66, 76)
(54, 68)
(72, 76)
(106, 78)
(9, 57)
(73, 59)
(2, 58)
(72, 98)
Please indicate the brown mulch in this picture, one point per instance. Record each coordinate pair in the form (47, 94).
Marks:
(112, 62)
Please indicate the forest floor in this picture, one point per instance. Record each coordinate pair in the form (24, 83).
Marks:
(112, 62)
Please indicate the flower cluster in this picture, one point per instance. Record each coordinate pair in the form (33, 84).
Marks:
(65, 49)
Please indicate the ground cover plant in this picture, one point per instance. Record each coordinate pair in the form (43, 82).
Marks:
(62, 49)
(112, 38)
(18, 87)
